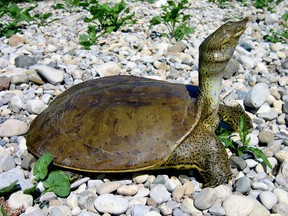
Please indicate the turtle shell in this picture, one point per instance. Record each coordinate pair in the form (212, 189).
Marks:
(115, 124)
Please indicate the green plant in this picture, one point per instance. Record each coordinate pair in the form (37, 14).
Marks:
(55, 181)
(105, 19)
(174, 18)
(220, 3)
(238, 148)
(280, 35)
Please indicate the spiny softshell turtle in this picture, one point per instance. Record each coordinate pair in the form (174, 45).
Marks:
(127, 123)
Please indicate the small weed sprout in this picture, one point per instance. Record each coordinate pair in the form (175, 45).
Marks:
(174, 18)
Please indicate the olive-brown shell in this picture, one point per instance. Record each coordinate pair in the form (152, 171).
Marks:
(114, 124)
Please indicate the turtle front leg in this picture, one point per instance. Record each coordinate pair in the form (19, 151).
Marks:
(205, 152)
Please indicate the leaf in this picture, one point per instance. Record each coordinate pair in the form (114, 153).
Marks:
(41, 166)
(259, 154)
(9, 189)
(58, 183)
(31, 190)
(2, 211)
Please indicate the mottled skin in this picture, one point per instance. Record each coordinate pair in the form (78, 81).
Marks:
(126, 123)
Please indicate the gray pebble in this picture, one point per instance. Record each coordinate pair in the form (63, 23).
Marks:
(13, 127)
(217, 209)
(243, 185)
(6, 162)
(86, 200)
(257, 95)
(178, 212)
(280, 208)
(159, 193)
(24, 61)
(19, 78)
(109, 203)
(35, 106)
(139, 210)
(205, 199)
(237, 162)
(52, 75)
(266, 136)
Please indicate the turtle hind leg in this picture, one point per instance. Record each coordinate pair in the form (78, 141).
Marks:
(231, 115)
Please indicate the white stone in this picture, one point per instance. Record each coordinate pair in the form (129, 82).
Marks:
(109, 203)
(108, 69)
(13, 127)
(140, 178)
(268, 199)
(205, 199)
(6, 162)
(253, 139)
(18, 199)
(52, 75)
(35, 106)
(127, 190)
(247, 62)
(17, 102)
(257, 95)
(72, 201)
(251, 163)
(159, 193)
(282, 195)
(108, 187)
(188, 203)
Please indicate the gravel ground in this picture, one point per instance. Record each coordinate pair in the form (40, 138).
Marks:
(42, 62)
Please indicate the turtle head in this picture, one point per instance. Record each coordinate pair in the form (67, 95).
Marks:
(217, 49)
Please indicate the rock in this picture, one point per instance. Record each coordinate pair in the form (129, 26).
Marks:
(19, 79)
(19, 199)
(48, 196)
(86, 200)
(79, 182)
(15, 174)
(109, 203)
(108, 69)
(140, 178)
(6, 162)
(280, 208)
(253, 139)
(243, 185)
(283, 168)
(238, 205)
(16, 40)
(50, 74)
(159, 193)
(216, 209)
(222, 192)
(172, 183)
(188, 206)
(205, 199)
(259, 186)
(177, 47)
(72, 201)
(164, 209)
(108, 187)
(251, 163)
(257, 95)
(266, 136)
(127, 190)
(231, 68)
(178, 212)
(268, 199)
(24, 61)
(139, 210)
(237, 162)
(247, 62)
(5, 83)
(280, 155)
(178, 193)
(189, 187)
(35, 106)
(13, 127)
(17, 103)
(268, 116)
(282, 195)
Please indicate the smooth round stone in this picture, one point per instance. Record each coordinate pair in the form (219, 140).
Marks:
(79, 182)
(237, 162)
(280, 155)
(35, 106)
(268, 116)
(247, 62)
(165, 209)
(189, 187)
(13, 127)
(188, 206)
(282, 195)
(178, 193)
(17, 102)
(108, 187)
(24, 61)
(86, 200)
(284, 168)
(266, 136)
(159, 193)
(243, 185)
(152, 213)
(268, 199)
(222, 192)
(48, 196)
(280, 208)
(19, 78)
(109, 203)
(178, 212)
(139, 210)
(64, 210)
(108, 69)
(19, 199)
(172, 183)
(127, 190)
(217, 209)
(257, 95)
(142, 192)
(238, 205)
(251, 163)
(6, 162)
(253, 139)
(72, 201)
(140, 178)
(205, 199)
(52, 75)
(259, 186)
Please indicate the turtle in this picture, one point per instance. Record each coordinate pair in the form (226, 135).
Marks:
(125, 123)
